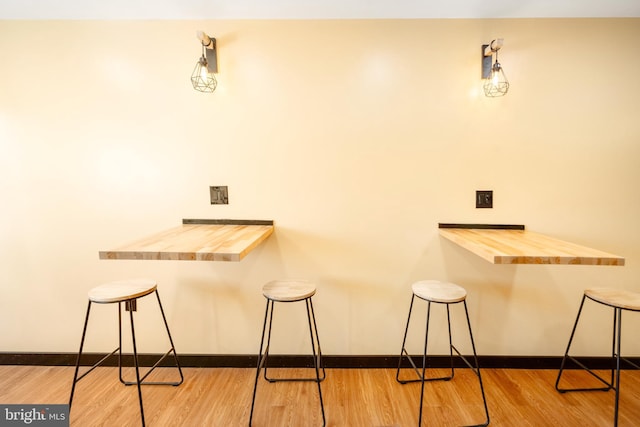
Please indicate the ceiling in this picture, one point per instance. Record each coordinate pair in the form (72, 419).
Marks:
(314, 9)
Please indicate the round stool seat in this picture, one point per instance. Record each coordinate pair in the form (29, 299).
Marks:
(619, 298)
(437, 291)
(122, 290)
(288, 290)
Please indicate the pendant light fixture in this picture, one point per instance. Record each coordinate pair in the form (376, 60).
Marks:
(495, 81)
(203, 76)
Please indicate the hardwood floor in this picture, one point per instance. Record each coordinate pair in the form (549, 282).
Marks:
(352, 397)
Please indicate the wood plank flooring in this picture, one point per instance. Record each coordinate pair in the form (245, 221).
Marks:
(352, 397)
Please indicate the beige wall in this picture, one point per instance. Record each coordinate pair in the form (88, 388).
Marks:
(356, 137)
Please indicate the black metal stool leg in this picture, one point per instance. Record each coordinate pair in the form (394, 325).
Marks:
(316, 357)
(451, 347)
(135, 360)
(75, 376)
(320, 364)
(613, 345)
(260, 361)
(120, 346)
(403, 350)
(171, 350)
(477, 366)
(617, 381)
(424, 363)
(266, 349)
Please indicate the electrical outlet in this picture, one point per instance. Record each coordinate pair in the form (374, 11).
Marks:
(219, 195)
(484, 199)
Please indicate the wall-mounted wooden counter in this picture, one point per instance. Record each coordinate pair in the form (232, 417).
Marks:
(515, 245)
(198, 240)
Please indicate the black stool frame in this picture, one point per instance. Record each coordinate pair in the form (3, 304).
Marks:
(315, 343)
(421, 371)
(130, 306)
(614, 381)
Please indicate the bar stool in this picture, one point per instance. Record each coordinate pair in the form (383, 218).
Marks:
(127, 292)
(619, 300)
(289, 291)
(434, 291)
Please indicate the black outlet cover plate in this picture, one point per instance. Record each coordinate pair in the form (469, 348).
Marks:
(484, 199)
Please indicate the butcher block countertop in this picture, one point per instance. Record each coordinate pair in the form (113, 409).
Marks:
(512, 244)
(197, 240)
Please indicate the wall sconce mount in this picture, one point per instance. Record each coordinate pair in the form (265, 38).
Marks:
(203, 76)
(495, 82)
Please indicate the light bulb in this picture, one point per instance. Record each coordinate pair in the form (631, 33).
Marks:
(495, 78)
(204, 72)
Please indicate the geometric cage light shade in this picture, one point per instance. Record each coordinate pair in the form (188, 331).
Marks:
(203, 76)
(494, 80)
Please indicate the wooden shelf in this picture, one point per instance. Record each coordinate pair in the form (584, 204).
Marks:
(197, 240)
(518, 246)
